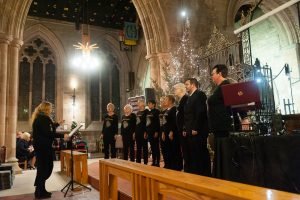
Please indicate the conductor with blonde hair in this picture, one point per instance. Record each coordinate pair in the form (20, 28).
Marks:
(43, 132)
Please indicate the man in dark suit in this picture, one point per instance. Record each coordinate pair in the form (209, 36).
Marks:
(196, 124)
(219, 115)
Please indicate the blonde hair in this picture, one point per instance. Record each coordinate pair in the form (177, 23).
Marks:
(45, 107)
(128, 106)
(25, 136)
(110, 105)
(141, 101)
(181, 87)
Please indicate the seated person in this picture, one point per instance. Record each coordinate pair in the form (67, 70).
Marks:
(25, 151)
(18, 135)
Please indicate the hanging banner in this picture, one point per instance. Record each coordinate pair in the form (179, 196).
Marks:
(131, 31)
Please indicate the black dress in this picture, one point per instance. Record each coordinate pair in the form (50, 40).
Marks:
(152, 127)
(127, 130)
(141, 142)
(43, 132)
(109, 130)
(173, 153)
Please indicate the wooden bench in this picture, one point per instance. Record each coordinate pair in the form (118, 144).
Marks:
(79, 164)
(152, 183)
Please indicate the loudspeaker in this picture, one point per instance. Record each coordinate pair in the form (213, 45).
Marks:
(150, 94)
(131, 79)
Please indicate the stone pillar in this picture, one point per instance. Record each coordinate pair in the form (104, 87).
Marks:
(154, 70)
(164, 61)
(12, 99)
(158, 62)
(4, 41)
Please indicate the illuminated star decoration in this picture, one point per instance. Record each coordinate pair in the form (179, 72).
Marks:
(86, 49)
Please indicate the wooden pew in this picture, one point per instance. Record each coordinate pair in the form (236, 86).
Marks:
(80, 165)
(153, 183)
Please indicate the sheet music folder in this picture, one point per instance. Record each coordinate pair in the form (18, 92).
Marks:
(243, 95)
(74, 130)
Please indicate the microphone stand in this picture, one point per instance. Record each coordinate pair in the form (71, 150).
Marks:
(71, 182)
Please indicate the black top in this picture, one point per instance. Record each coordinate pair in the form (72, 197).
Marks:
(152, 121)
(195, 114)
(162, 120)
(43, 133)
(180, 113)
(128, 124)
(218, 113)
(170, 121)
(140, 128)
(22, 149)
(110, 125)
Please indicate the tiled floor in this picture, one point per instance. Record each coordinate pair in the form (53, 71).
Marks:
(85, 194)
(23, 188)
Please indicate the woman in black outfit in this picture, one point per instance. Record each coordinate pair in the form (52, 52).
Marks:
(25, 151)
(44, 132)
(110, 131)
(127, 130)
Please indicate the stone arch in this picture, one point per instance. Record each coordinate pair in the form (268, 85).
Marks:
(13, 16)
(149, 11)
(154, 26)
(282, 20)
(39, 30)
(124, 62)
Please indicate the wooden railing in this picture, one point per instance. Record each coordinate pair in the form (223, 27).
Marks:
(153, 183)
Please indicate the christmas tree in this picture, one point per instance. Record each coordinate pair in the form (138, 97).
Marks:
(77, 135)
(183, 63)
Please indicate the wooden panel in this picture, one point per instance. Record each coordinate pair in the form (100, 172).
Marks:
(79, 164)
(158, 183)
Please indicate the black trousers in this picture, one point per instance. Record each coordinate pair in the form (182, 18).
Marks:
(175, 156)
(109, 146)
(165, 149)
(141, 144)
(128, 147)
(44, 167)
(218, 135)
(185, 154)
(154, 144)
(198, 155)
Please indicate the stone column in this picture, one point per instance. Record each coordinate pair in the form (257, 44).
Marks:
(154, 70)
(4, 41)
(164, 61)
(12, 99)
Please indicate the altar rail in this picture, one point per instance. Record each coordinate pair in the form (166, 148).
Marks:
(153, 183)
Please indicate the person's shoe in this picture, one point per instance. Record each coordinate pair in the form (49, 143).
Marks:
(42, 196)
(47, 193)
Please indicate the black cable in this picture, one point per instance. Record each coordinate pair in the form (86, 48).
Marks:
(278, 73)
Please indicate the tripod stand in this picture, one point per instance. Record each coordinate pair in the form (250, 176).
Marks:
(71, 182)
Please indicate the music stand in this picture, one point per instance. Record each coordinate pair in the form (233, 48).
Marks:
(241, 96)
(71, 182)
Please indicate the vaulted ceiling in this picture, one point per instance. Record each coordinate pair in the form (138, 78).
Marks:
(104, 13)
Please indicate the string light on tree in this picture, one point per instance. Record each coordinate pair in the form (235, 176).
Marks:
(183, 60)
